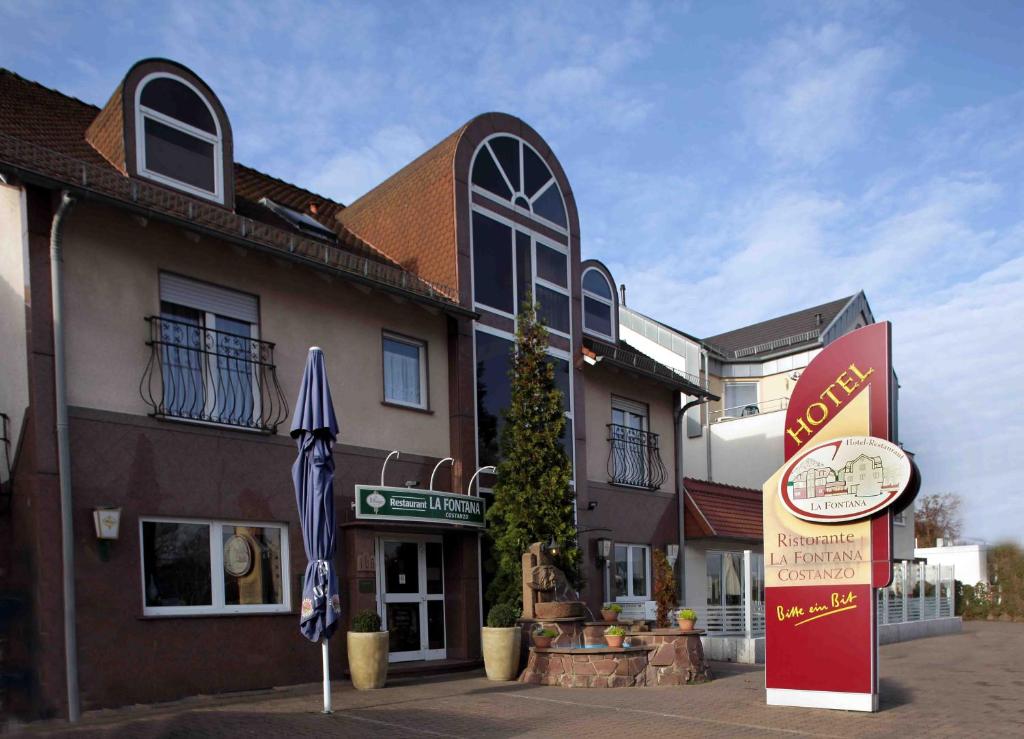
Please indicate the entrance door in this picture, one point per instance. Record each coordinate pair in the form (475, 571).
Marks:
(411, 570)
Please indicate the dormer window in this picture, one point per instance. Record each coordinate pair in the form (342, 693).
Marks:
(179, 141)
(598, 304)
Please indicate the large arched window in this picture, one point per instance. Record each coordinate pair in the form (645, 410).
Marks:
(598, 304)
(509, 168)
(178, 139)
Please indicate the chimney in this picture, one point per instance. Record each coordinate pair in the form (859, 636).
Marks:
(622, 290)
(818, 319)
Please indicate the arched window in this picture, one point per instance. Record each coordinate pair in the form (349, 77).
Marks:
(509, 168)
(178, 139)
(598, 304)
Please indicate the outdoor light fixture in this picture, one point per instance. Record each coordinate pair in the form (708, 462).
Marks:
(592, 505)
(553, 547)
(108, 527)
(604, 550)
(672, 554)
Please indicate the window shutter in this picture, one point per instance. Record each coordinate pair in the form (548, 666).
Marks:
(209, 298)
(629, 406)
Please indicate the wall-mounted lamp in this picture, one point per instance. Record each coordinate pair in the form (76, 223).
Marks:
(592, 505)
(604, 550)
(108, 528)
(672, 554)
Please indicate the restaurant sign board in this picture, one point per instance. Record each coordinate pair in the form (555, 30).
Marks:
(379, 503)
(827, 533)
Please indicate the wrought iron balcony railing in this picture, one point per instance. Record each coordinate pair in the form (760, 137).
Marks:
(203, 375)
(634, 458)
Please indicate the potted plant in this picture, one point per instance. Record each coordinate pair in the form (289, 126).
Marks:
(611, 611)
(500, 641)
(542, 638)
(687, 617)
(367, 652)
(614, 636)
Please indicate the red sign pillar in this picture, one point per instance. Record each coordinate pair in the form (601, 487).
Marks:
(821, 646)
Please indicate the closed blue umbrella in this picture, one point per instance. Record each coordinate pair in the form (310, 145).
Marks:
(315, 430)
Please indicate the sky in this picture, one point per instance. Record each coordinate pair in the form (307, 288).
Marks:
(732, 161)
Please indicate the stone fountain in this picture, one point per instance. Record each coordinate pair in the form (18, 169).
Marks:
(579, 657)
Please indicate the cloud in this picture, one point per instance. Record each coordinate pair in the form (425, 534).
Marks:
(353, 171)
(813, 91)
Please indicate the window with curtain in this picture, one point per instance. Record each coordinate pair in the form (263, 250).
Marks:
(724, 578)
(404, 371)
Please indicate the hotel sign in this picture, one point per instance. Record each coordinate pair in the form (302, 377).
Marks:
(418, 506)
(827, 527)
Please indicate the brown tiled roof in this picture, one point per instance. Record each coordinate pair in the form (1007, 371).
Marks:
(50, 119)
(723, 511)
(803, 323)
(411, 215)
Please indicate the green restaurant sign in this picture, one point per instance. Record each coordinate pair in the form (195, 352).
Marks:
(409, 505)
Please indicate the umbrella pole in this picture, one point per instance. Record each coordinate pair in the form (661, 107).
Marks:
(327, 678)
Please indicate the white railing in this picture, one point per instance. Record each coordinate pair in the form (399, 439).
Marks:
(919, 592)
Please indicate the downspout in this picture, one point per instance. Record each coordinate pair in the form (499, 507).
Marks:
(707, 441)
(64, 455)
(681, 493)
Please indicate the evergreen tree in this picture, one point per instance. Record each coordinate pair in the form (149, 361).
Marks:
(533, 500)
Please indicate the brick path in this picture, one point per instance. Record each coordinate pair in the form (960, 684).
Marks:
(970, 684)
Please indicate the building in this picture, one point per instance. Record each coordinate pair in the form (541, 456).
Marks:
(969, 561)
(189, 288)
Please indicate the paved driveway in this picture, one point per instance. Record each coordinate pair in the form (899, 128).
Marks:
(970, 684)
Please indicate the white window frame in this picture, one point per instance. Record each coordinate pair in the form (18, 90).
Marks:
(217, 568)
(569, 414)
(202, 304)
(424, 403)
(629, 573)
(517, 188)
(143, 112)
(601, 299)
(725, 390)
(537, 281)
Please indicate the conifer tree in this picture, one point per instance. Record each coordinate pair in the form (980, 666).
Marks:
(533, 500)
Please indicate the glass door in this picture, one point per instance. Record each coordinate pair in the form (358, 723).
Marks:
(412, 593)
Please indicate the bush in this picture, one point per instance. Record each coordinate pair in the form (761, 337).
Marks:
(615, 631)
(546, 633)
(366, 622)
(687, 614)
(613, 607)
(666, 593)
(502, 616)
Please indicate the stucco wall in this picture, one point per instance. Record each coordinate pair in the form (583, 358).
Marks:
(112, 268)
(600, 385)
(13, 357)
(747, 451)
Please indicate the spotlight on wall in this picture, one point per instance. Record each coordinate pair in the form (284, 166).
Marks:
(552, 547)
(412, 483)
(592, 505)
(604, 550)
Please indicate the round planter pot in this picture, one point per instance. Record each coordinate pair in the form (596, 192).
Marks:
(614, 641)
(368, 659)
(609, 615)
(501, 652)
(686, 625)
(544, 642)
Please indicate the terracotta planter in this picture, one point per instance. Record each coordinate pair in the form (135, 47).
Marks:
(501, 652)
(609, 615)
(686, 625)
(614, 641)
(544, 642)
(368, 659)
(558, 609)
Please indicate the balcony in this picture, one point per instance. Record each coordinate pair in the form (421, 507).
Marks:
(633, 458)
(206, 376)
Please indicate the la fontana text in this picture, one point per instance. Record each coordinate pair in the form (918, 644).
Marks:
(824, 564)
(837, 603)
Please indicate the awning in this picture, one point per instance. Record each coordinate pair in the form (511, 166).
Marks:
(714, 510)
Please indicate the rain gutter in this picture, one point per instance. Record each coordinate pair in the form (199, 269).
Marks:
(67, 540)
